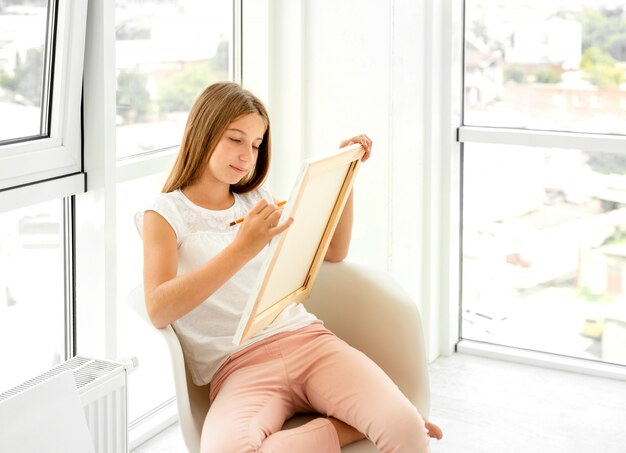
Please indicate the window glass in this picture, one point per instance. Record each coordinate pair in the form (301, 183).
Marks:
(167, 53)
(31, 292)
(151, 383)
(546, 64)
(544, 250)
(23, 32)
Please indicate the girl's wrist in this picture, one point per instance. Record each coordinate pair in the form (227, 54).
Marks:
(239, 255)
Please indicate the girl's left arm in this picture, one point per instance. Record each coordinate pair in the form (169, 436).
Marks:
(340, 242)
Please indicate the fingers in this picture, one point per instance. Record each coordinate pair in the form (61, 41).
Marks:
(260, 206)
(366, 143)
(267, 215)
(362, 140)
(282, 227)
(268, 211)
(270, 216)
(274, 217)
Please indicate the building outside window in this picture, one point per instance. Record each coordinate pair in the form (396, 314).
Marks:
(544, 177)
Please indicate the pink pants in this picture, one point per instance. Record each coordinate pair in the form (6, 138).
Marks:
(308, 370)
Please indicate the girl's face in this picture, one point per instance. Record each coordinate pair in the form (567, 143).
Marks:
(236, 153)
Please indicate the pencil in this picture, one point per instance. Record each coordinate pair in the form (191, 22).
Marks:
(235, 222)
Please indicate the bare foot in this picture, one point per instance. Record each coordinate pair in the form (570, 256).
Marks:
(346, 433)
(433, 430)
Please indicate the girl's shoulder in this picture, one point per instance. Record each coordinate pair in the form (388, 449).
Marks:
(169, 205)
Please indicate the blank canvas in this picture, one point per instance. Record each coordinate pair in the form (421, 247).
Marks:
(316, 203)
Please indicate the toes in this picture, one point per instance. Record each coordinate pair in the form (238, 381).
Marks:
(433, 430)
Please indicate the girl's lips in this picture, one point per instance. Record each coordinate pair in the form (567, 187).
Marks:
(238, 170)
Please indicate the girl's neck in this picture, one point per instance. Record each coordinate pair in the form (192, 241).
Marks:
(208, 197)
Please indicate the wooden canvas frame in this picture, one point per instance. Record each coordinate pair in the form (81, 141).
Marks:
(295, 256)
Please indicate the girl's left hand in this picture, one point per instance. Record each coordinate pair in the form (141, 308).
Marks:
(362, 140)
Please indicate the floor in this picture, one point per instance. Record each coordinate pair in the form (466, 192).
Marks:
(491, 406)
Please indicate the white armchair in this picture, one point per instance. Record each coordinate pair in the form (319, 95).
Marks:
(364, 307)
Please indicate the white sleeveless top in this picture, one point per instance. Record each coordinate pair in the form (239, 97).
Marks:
(206, 333)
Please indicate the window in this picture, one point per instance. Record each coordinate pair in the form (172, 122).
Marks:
(166, 54)
(41, 62)
(28, 37)
(32, 337)
(520, 57)
(544, 177)
(151, 384)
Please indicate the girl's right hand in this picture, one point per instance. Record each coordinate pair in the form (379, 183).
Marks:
(259, 226)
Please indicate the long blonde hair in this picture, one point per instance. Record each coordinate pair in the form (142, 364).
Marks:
(219, 105)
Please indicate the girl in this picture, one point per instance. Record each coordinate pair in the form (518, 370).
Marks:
(199, 271)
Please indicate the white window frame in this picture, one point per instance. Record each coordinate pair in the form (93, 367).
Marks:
(42, 161)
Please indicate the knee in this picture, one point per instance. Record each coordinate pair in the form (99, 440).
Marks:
(411, 428)
(403, 431)
(228, 442)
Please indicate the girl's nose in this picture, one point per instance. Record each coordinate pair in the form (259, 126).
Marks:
(247, 154)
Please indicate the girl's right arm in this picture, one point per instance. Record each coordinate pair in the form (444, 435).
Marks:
(169, 297)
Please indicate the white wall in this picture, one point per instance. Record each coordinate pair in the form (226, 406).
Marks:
(338, 69)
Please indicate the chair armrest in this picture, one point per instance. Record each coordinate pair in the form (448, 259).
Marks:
(369, 310)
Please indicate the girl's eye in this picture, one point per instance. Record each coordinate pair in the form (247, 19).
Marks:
(236, 140)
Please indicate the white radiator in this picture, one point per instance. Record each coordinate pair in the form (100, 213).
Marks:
(101, 387)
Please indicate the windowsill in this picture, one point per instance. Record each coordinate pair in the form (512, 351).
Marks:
(542, 359)
(152, 424)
